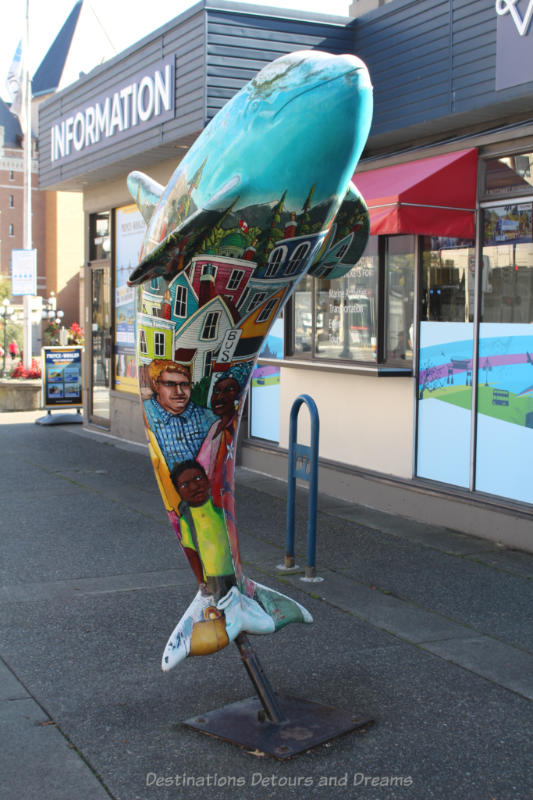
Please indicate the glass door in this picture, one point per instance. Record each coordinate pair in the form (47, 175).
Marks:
(100, 343)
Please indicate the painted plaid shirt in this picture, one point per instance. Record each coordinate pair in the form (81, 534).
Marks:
(179, 436)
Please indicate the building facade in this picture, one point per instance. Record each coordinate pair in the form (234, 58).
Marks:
(418, 358)
(12, 197)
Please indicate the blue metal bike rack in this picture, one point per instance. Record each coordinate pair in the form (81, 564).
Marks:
(303, 464)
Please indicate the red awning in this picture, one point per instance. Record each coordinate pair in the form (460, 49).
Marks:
(432, 196)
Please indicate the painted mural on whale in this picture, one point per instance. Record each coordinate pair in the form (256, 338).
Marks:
(263, 197)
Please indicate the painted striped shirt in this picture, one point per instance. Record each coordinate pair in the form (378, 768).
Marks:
(179, 436)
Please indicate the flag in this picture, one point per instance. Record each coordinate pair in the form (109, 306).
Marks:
(243, 226)
(14, 83)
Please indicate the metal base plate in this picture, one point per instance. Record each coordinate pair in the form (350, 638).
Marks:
(307, 724)
(60, 419)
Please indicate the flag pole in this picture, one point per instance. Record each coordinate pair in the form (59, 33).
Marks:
(28, 238)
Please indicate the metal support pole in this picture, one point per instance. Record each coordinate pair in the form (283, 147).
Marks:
(262, 686)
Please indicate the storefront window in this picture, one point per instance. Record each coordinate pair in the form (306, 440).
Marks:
(399, 297)
(338, 319)
(346, 313)
(507, 282)
(505, 367)
(509, 174)
(448, 285)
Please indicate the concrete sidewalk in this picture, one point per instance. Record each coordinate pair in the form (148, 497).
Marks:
(425, 630)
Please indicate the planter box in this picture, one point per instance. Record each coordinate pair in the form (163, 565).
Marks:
(20, 395)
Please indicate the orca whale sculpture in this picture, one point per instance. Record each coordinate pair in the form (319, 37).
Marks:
(263, 197)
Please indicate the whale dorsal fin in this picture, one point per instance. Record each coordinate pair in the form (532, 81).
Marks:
(146, 193)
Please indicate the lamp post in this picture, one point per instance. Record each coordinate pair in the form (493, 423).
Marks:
(7, 312)
(50, 313)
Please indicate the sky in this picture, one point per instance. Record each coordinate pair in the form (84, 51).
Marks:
(124, 22)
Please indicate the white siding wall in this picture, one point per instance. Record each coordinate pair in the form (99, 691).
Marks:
(365, 421)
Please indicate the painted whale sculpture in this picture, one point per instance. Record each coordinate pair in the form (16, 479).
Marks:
(263, 197)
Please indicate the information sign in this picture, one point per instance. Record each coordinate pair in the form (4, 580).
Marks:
(62, 377)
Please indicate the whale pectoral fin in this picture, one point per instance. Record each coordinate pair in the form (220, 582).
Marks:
(176, 249)
(226, 196)
(347, 240)
(146, 193)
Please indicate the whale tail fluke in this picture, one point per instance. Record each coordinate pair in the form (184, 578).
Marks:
(282, 609)
(209, 625)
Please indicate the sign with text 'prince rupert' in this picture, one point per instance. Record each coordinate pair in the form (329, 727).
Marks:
(142, 101)
(62, 372)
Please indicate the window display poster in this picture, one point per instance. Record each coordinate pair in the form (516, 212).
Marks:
(505, 410)
(265, 388)
(265, 402)
(62, 377)
(130, 228)
(445, 402)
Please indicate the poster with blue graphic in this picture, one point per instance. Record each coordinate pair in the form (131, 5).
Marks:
(445, 402)
(265, 387)
(505, 411)
(504, 407)
(62, 377)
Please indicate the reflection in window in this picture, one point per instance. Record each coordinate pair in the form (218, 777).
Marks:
(510, 174)
(448, 279)
(303, 316)
(345, 313)
(399, 297)
(507, 275)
